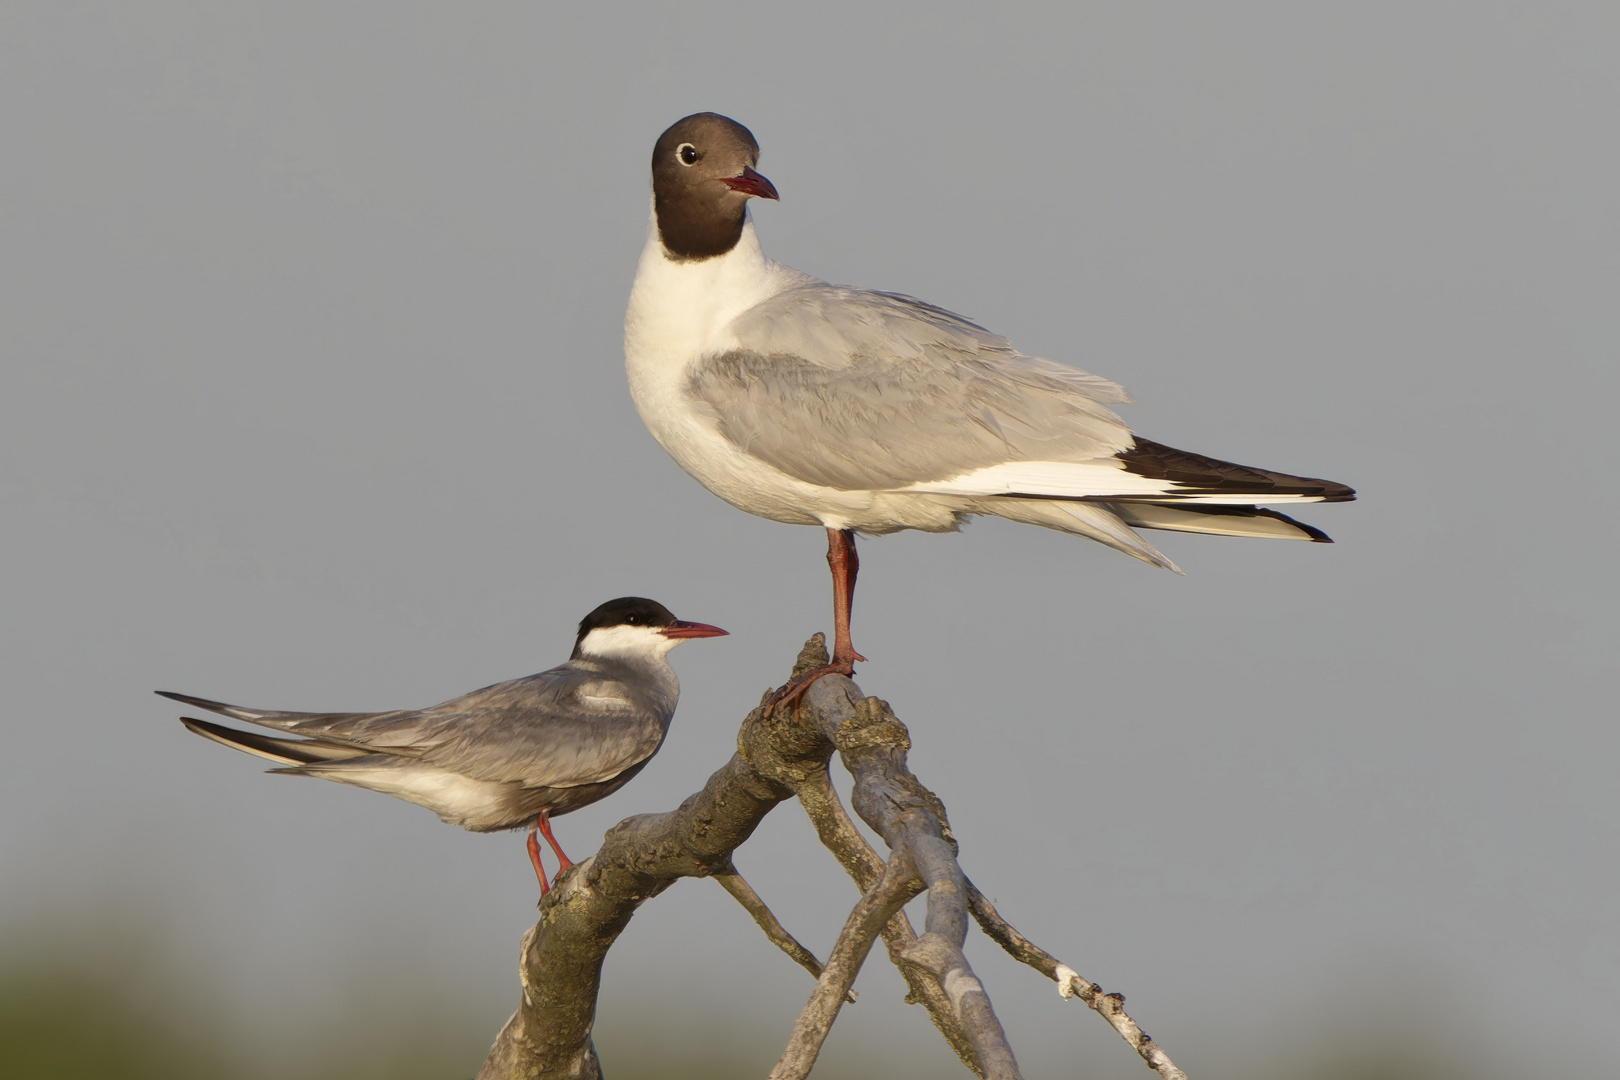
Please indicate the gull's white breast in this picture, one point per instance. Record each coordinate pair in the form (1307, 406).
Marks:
(679, 313)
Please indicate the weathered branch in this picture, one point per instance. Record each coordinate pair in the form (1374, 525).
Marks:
(838, 833)
(1110, 1007)
(561, 966)
(831, 703)
(873, 744)
(872, 912)
(777, 758)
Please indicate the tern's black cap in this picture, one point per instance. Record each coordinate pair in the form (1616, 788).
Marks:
(627, 611)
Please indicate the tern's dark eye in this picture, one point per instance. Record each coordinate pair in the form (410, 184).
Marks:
(687, 153)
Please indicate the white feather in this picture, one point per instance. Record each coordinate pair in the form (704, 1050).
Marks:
(1105, 479)
(455, 798)
(627, 643)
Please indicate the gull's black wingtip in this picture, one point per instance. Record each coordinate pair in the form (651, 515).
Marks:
(1315, 535)
(1339, 492)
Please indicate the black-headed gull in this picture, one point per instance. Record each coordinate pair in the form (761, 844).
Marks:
(861, 411)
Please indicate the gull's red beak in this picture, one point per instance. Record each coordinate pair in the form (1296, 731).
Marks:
(684, 629)
(751, 183)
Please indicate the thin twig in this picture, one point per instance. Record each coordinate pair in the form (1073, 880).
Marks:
(1003, 933)
(1111, 1007)
(744, 894)
(898, 885)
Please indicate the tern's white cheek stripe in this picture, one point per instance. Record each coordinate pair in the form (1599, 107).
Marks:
(627, 643)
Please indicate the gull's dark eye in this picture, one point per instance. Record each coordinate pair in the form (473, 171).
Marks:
(687, 153)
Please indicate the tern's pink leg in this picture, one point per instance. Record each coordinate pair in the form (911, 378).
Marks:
(845, 564)
(534, 857)
(544, 822)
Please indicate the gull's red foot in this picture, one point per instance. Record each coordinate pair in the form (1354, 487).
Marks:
(791, 691)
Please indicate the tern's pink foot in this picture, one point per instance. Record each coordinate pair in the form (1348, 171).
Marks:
(544, 824)
(534, 858)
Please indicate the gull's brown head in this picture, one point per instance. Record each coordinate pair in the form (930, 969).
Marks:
(703, 176)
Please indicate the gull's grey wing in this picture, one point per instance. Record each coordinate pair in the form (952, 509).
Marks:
(858, 390)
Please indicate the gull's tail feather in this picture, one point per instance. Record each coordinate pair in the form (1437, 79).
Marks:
(1194, 475)
(286, 751)
(1094, 521)
(1218, 521)
(1146, 472)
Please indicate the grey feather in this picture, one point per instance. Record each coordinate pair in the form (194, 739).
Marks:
(859, 390)
(544, 730)
(1101, 522)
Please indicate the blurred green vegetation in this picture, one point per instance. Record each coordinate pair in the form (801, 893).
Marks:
(69, 1024)
(60, 1024)
(69, 1012)
(113, 1020)
(64, 1017)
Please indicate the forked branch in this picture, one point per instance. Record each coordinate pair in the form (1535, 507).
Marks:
(744, 894)
(874, 909)
(779, 757)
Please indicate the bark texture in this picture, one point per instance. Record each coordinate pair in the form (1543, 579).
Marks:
(781, 756)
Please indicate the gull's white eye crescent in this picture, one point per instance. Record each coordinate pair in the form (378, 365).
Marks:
(687, 154)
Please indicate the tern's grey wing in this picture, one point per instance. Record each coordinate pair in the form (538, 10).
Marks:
(390, 729)
(562, 728)
(557, 749)
(864, 390)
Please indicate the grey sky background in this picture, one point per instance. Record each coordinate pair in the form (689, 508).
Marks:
(312, 397)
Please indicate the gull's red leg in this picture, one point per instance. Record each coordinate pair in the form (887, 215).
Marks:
(544, 822)
(534, 857)
(844, 564)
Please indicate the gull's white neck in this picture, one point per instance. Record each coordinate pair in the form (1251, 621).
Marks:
(680, 310)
